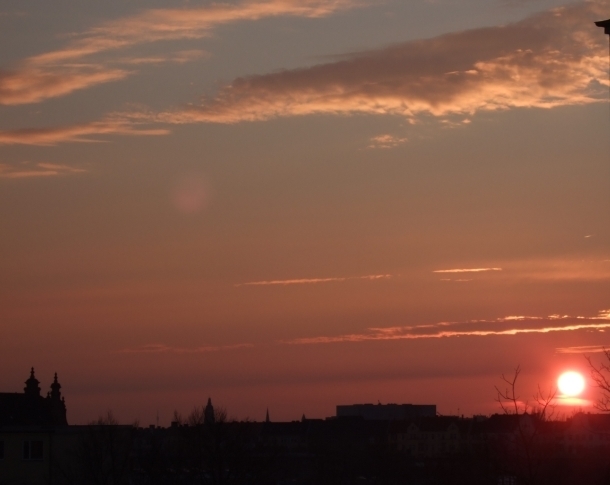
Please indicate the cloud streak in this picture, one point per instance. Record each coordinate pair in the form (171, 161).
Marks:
(500, 327)
(70, 68)
(467, 270)
(507, 326)
(548, 60)
(583, 349)
(85, 132)
(32, 83)
(558, 269)
(309, 281)
(38, 170)
(387, 141)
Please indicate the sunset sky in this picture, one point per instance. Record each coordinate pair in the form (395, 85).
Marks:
(294, 204)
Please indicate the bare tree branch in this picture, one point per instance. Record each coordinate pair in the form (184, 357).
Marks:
(600, 374)
(508, 400)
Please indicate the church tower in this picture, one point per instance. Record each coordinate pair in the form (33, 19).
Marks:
(32, 389)
(57, 404)
(208, 414)
(32, 409)
(55, 389)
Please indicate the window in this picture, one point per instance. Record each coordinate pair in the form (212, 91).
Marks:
(32, 450)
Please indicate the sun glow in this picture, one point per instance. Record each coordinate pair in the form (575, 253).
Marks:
(571, 383)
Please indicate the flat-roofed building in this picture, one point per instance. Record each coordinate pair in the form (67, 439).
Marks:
(386, 412)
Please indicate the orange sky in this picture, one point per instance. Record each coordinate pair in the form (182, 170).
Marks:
(299, 204)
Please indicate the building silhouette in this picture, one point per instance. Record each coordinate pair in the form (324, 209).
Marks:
(30, 408)
(209, 417)
(386, 412)
(397, 444)
(604, 24)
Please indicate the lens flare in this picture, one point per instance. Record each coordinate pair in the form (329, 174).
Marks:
(571, 383)
(190, 194)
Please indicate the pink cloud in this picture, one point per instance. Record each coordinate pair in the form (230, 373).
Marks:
(40, 169)
(467, 270)
(31, 83)
(503, 327)
(560, 269)
(305, 281)
(535, 269)
(179, 57)
(75, 133)
(474, 328)
(583, 349)
(63, 71)
(387, 141)
(551, 59)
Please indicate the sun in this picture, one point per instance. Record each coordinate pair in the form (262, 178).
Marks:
(571, 383)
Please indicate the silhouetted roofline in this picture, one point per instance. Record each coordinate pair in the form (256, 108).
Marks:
(605, 24)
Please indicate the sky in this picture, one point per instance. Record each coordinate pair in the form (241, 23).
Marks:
(295, 204)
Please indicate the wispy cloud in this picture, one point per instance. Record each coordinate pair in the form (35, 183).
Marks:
(70, 68)
(558, 269)
(41, 169)
(503, 326)
(85, 132)
(165, 349)
(520, 318)
(179, 57)
(548, 60)
(467, 270)
(187, 23)
(506, 326)
(583, 349)
(31, 83)
(386, 141)
(306, 281)
(555, 270)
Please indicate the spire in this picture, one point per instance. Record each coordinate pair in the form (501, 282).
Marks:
(31, 385)
(208, 414)
(267, 420)
(303, 418)
(55, 389)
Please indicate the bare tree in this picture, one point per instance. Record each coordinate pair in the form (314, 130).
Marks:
(177, 418)
(601, 376)
(511, 404)
(523, 449)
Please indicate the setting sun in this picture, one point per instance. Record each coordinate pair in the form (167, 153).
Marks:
(571, 383)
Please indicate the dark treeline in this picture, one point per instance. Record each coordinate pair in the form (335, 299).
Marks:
(208, 448)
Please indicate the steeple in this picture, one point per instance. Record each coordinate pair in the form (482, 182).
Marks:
(55, 389)
(32, 388)
(267, 420)
(208, 414)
